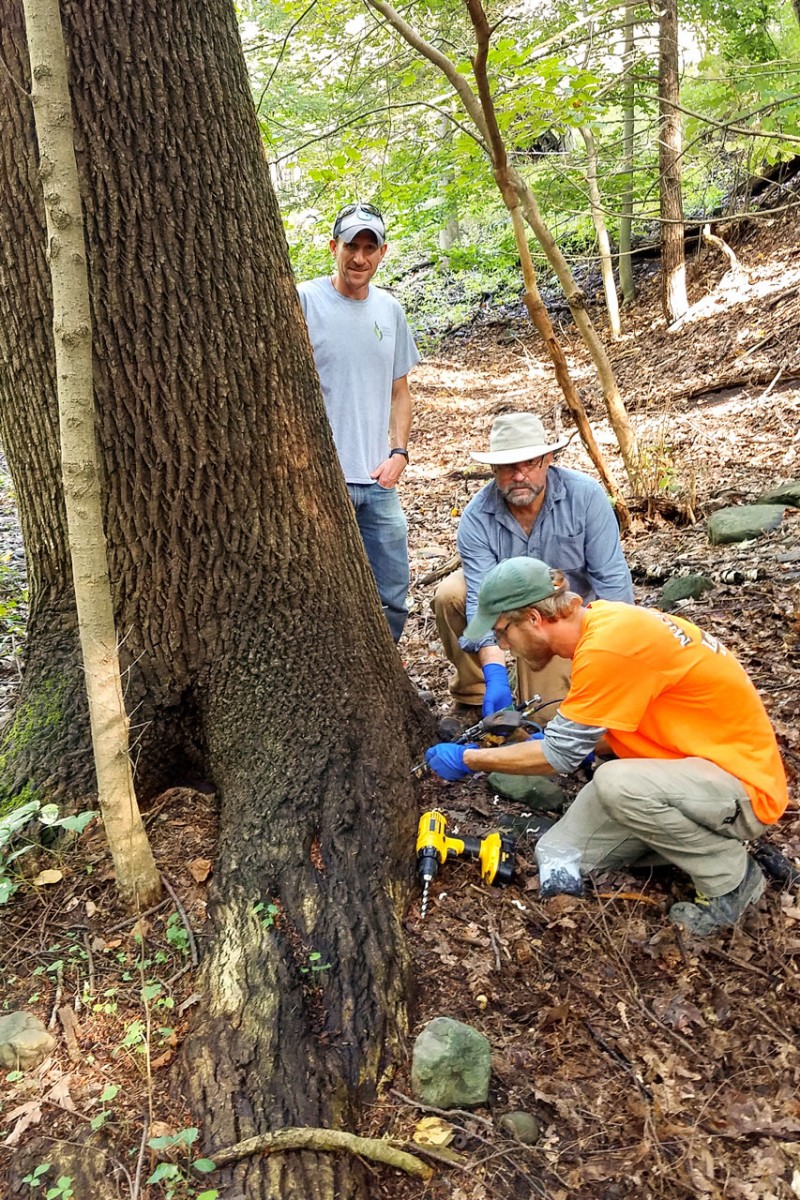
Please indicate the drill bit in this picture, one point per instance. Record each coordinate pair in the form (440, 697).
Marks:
(425, 887)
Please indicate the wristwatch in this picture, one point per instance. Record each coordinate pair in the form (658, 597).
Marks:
(399, 450)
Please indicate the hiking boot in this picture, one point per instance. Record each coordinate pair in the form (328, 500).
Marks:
(560, 882)
(707, 915)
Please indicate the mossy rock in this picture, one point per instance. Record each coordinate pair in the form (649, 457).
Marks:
(743, 522)
(536, 792)
(784, 493)
(683, 587)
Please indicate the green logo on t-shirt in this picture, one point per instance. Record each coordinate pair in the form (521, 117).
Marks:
(378, 332)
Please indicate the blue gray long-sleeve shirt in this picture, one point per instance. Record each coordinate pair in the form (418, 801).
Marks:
(576, 532)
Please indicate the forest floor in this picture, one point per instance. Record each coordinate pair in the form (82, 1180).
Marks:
(656, 1066)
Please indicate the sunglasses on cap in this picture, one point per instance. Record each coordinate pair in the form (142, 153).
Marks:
(369, 210)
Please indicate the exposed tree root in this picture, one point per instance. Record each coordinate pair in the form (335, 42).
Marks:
(376, 1149)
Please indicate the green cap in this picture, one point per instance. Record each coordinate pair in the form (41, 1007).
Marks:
(515, 583)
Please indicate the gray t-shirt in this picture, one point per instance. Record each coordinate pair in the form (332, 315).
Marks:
(360, 348)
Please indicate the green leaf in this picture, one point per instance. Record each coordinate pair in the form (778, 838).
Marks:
(204, 1165)
(211, 1194)
(163, 1170)
(109, 1092)
(150, 991)
(78, 823)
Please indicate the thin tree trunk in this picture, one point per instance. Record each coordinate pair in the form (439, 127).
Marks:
(540, 318)
(481, 111)
(673, 263)
(137, 878)
(628, 131)
(599, 222)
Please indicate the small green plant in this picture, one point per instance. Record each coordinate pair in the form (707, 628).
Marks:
(61, 1189)
(177, 934)
(35, 1178)
(268, 914)
(315, 966)
(11, 826)
(108, 1093)
(176, 1178)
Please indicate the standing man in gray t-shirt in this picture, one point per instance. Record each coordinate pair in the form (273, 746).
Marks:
(363, 351)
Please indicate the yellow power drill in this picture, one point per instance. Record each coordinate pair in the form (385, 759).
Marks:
(494, 852)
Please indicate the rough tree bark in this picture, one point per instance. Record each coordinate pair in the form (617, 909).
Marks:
(670, 150)
(138, 880)
(252, 656)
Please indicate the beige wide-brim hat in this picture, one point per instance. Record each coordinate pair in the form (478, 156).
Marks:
(516, 437)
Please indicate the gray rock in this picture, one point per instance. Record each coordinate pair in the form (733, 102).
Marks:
(520, 1125)
(451, 1065)
(742, 522)
(684, 587)
(785, 493)
(24, 1041)
(536, 792)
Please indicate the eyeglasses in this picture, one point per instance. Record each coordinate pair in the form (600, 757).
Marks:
(500, 633)
(529, 464)
(369, 211)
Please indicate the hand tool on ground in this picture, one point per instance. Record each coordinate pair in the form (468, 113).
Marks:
(497, 728)
(494, 851)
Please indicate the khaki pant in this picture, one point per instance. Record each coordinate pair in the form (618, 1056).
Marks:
(466, 686)
(688, 811)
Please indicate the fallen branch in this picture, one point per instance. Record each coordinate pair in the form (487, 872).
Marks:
(438, 573)
(376, 1149)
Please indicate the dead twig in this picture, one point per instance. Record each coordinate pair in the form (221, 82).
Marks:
(137, 1182)
(182, 914)
(147, 912)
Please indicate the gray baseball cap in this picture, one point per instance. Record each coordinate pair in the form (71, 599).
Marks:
(359, 218)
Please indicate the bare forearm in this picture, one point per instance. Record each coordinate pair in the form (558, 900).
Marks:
(519, 758)
(401, 413)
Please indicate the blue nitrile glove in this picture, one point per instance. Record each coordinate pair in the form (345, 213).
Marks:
(498, 694)
(447, 760)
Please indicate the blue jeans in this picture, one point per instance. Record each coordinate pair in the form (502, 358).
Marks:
(385, 532)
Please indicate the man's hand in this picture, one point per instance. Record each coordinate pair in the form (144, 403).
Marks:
(498, 694)
(447, 760)
(389, 471)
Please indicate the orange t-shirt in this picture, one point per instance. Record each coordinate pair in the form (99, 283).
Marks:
(665, 689)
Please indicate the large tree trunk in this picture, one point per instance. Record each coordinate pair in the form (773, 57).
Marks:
(253, 656)
(670, 149)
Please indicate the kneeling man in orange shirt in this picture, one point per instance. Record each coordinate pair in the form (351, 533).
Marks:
(697, 771)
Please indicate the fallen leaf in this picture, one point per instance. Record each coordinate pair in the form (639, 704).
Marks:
(200, 869)
(433, 1131)
(26, 1115)
(59, 1093)
(51, 875)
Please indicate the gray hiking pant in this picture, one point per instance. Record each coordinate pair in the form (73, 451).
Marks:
(688, 812)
